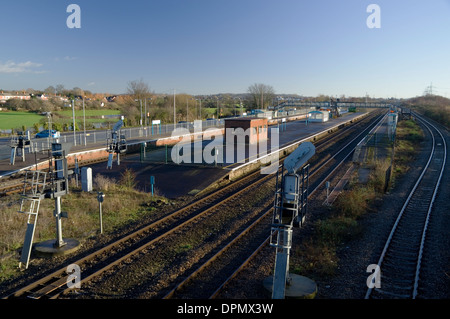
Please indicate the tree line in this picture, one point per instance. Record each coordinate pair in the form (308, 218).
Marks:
(141, 105)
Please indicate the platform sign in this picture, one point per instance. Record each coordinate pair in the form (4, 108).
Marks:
(156, 122)
(110, 160)
(100, 199)
(152, 182)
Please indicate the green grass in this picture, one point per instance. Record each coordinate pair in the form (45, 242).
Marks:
(10, 120)
(15, 120)
(123, 206)
(408, 137)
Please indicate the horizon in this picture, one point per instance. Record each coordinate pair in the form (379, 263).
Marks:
(294, 95)
(200, 47)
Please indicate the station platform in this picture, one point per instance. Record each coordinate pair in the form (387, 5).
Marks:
(175, 180)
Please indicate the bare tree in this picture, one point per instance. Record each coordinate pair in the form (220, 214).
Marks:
(50, 90)
(138, 89)
(261, 94)
(59, 89)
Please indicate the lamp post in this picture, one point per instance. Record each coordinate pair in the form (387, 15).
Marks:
(200, 109)
(174, 110)
(217, 107)
(187, 109)
(140, 102)
(84, 122)
(240, 104)
(146, 114)
(73, 115)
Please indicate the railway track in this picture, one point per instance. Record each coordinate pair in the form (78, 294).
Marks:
(398, 270)
(14, 185)
(144, 241)
(212, 276)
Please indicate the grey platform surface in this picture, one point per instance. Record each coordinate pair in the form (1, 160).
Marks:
(173, 180)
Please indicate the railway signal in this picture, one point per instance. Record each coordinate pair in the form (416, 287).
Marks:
(20, 142)
(290, 206)
(116, 143)
(54, 185)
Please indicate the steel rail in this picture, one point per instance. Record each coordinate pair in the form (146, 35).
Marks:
(403, 209)
(422, 242)
(141, 231)
(207, 263)
(60, 272)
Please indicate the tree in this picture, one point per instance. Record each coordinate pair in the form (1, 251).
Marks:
(138, 89)
(78, 91)
(59, 89)
(261, 94)
(50, 90)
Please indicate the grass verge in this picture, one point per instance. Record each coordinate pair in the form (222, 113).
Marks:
(122, 205)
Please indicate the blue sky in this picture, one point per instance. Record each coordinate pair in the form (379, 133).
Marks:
(220, 46)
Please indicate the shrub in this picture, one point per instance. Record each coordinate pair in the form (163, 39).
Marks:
(128, 179)
(104, 183)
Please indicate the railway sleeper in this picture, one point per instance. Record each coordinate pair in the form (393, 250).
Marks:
(399, 263)
(47, 289)
(399, 282)
(410, 244)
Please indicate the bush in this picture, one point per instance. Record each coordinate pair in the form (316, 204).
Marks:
(104, 183)
(128, 179)
(335, 230)
(355, 202)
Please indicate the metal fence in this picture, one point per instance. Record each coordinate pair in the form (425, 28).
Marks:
(99, 137)
(173, 154)
(92, 138)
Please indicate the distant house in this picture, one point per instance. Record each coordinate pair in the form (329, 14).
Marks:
(8, 96)
(43, 97)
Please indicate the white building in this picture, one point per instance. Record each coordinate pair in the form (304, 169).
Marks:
(319, 116)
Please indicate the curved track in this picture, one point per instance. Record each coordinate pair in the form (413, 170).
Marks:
(398, 271)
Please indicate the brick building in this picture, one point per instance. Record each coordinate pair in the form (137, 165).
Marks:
(255, 129)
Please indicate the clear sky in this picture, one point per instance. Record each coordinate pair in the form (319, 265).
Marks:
(224, 46)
